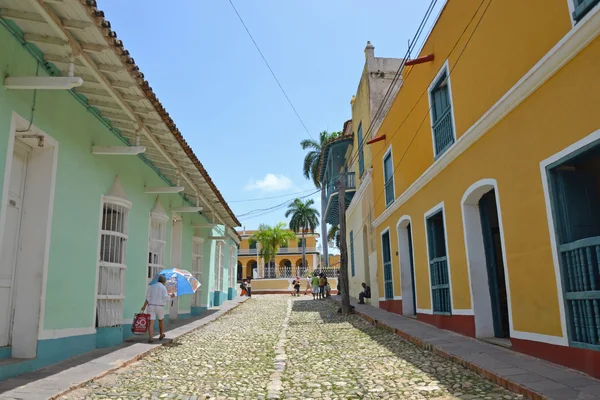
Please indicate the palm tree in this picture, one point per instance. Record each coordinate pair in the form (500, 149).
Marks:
(312, 170)
(304, 218)
(334, 235)
(270, 239)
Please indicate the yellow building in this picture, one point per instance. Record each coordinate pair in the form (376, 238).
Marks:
(486, 173)
(378, 75)
(288, 261)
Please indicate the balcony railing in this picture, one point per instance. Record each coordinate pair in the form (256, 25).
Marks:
(581, 275)
(333, 186)
(282, 250)
(440, 285)
(443, 132)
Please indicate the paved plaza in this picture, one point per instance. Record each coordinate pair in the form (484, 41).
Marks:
(276, 346)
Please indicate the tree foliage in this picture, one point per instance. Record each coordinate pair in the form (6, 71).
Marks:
(271, 238)
(312, 159)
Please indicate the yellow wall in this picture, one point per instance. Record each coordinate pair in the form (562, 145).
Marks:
(503, 49)
(311, 240)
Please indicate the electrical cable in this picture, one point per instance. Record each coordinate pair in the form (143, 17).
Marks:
(37, 71)
(270, 69)
(272, 197)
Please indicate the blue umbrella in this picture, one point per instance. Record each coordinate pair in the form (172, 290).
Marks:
(179, 281)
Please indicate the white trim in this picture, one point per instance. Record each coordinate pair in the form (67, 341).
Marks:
(63, 333)
(397, 298)
(408, 310)
(428, 214)
(567, 48)
(463, 311)
(425, 311)
(571, 7)
(360, 192)
(383, 232)
(538, 337)
(595, 136)
(446, 69)
(389, 151)
(382, 299)
(42, 162)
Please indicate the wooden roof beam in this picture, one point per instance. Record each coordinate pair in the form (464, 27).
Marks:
(33, 17)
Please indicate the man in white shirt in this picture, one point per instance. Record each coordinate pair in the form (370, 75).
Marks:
(156, 298)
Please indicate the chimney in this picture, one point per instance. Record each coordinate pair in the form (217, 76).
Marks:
(244, 230)
(369, 51)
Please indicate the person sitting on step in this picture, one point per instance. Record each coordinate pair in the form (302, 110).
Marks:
(365, 294)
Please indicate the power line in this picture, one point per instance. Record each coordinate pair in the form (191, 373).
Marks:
(272, 197)
(263, 211)
(270, 69)
(398, 74)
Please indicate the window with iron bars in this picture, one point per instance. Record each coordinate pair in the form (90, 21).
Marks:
(219, 267)
(157, 244)
(232, 266)
(112, 263)
(197, 254)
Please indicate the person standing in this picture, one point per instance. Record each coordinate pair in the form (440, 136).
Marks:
(315, 285)
(308, 287)
(156, 299)
(322, 283)
(249, 287)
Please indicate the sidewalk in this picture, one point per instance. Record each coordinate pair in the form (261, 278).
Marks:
(532, 377)
(54, 380)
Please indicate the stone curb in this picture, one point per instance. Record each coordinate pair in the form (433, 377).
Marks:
(489, 375)
(141, 355)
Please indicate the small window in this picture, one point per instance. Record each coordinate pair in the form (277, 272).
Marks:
(252, 244)
(197, 256)
(388, 176)
(361, 154)
(301, 242)
(352, 253)
(582, 7)
(441, 114)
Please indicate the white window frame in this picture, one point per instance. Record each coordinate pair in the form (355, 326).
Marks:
(445, 68)
(197, 265)
(571, 5)
(159, 243)
(391, 154)
(110, 296)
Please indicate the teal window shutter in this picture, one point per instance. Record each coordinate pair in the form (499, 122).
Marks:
(361, 154)
(388, 176)
(441, 113)
(352, 253)
(582, 7)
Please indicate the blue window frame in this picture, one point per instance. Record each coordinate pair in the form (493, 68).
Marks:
(388, 176)
(441, 115)
(438, 264)
(353, 268)
(361, 154)
(388, 280)
(582, 7)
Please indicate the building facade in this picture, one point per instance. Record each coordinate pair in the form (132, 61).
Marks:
(288, 261)
(371, 100)
(486, 174)
(99, 191)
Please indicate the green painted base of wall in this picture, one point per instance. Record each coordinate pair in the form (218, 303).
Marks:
(198, 310)
(231, 293)
(219, 298)
(5, 352)
(49, 352)
(109, 337)
(184, 315)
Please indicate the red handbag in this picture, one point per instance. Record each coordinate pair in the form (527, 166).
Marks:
(140, 324)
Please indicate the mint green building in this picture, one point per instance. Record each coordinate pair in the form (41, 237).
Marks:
(99, 191)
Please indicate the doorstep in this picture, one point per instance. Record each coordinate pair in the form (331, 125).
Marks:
(526, 375)
(58, 379)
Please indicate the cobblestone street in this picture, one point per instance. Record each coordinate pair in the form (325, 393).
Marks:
(276, 346)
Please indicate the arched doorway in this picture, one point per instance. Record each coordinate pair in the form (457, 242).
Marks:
(407, 266)
(252, 268)
(285, 268)
(240, 271)
(486, 261)
(300, 268)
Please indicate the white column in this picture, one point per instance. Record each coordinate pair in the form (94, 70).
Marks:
(314, 263)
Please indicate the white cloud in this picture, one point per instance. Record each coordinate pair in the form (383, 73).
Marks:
(271, 183)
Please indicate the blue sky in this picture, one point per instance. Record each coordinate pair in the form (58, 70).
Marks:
(205, 70)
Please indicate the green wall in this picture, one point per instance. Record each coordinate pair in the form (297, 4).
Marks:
(82, 179)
